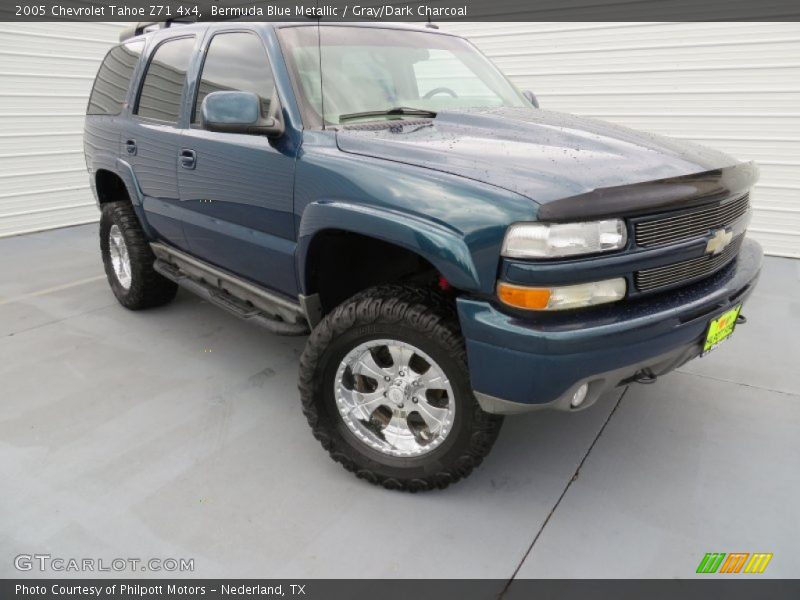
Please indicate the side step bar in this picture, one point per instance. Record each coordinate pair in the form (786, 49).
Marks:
(243, 299)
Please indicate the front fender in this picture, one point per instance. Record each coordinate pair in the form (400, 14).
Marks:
(443, 247)
(456, 224)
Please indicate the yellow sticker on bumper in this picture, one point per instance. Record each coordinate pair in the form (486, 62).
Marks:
(721, 328)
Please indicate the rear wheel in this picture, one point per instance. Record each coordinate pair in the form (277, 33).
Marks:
(128, 260)
(386, 390)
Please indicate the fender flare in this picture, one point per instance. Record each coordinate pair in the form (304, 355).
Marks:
(442, 246)
(125, 172)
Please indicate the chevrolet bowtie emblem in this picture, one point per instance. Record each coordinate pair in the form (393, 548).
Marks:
(720, 239)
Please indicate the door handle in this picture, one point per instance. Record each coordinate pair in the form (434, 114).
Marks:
(130, 146)
(188, 158)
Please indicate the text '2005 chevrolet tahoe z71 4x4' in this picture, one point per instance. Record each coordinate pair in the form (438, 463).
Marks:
(455, 253)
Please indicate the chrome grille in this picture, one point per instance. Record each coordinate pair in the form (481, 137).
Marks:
(686, 270)
(688, 225)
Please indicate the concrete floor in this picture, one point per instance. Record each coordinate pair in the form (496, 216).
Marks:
(177, 432)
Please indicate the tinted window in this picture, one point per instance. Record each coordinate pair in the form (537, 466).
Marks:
(238, 62)
(160, 97)
(113, 78)
(364, 69)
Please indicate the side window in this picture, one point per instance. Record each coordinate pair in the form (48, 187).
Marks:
(160, 97)
(113, 79)
(236, 62)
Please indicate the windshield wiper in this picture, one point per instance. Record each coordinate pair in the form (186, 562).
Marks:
(397, 110)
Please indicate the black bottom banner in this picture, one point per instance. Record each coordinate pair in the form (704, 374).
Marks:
(394, 589)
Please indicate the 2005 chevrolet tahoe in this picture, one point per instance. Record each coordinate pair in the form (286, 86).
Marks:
(455, 253)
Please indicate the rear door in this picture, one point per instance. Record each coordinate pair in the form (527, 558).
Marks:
(237, 188)
(106, 103)
(151, 140)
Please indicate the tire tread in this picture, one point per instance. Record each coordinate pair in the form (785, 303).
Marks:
(427, 312)
(148, 288)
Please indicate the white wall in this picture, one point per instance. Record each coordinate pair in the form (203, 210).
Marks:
(46, 73)
(733, 86)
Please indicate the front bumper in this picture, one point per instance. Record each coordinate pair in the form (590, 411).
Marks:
(522, 364)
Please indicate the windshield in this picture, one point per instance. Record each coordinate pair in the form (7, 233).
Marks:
(369, 70)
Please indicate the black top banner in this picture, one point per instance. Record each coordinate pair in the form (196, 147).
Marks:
(411, 11)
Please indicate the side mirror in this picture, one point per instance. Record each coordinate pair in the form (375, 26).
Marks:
(531, 97)
(238, 112)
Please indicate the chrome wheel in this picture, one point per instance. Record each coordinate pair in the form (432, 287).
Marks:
(120, 261)
(394, 398)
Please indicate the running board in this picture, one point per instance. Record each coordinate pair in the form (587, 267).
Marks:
(239, 297)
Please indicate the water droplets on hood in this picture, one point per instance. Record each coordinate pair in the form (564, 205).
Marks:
(540, 154)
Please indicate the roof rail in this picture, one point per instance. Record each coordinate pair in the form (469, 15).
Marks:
(147, 26)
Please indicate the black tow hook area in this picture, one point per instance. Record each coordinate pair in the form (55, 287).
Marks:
(645, 376)
(741, 319)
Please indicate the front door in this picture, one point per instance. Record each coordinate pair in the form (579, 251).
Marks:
(237, 189)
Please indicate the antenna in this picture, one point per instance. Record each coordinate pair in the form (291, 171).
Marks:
(430, 25)
(321, 76)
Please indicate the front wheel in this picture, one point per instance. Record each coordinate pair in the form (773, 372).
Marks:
(385, 388)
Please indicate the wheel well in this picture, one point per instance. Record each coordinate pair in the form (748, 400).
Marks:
(340, 264)
(110, 187)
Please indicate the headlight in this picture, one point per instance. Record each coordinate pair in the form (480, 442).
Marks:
(562, 296)
(555, 240)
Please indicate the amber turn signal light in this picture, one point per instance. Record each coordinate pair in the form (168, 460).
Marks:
(528, 298)
(562, 297)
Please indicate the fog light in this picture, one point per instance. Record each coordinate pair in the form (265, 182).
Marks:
(579, 396)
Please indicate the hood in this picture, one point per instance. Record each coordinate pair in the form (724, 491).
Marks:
(543, 155)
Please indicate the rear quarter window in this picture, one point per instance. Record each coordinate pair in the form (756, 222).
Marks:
(113, 79)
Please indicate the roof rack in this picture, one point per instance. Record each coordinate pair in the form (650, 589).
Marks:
(148, 26)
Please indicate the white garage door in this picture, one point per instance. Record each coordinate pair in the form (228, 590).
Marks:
(733, 86)
(46, 73)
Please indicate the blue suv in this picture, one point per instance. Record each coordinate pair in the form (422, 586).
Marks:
(454, 253)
